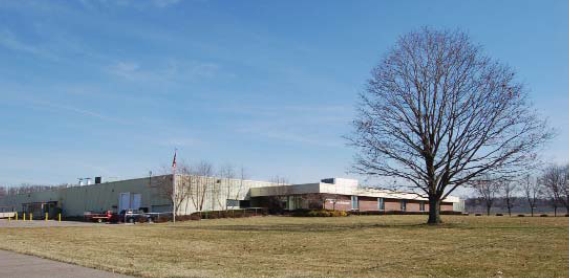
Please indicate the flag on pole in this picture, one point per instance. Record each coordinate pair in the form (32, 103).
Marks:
(174, 161)
(174, 209)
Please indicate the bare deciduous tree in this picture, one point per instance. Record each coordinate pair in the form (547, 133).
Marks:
(224, 188)
(165, 189)
(509, 190)
(555, 181)
(242, 177)
(319, 200)
(192, 186)
(439, 113)
(486, 189)
(533, 192)
(199, 183)
(552, 200)
(26, 188)
(281, 193)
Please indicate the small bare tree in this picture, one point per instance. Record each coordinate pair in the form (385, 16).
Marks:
(165, 190)
(240, 188)
(315, 200)
(223, 188)
(191, 186)
(281, 193)
(509, 192)
(439, 113)
(322, 198)
(533, 192)
(486, 190)
(199, 183)
(555, 181)
(552, 200)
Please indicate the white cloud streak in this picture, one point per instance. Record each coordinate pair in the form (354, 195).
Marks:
(171, 72)
(10, 41)
(59, 107)
(139, 4)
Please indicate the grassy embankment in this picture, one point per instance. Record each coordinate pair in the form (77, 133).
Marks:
(356, 246)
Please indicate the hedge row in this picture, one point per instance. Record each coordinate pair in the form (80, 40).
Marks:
(319, 213)
(339, 213)
(397, 212)
(218, 214)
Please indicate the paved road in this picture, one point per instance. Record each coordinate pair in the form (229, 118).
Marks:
(18, 265)
(4, 223)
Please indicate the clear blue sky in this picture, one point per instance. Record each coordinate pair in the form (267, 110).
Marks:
(109, 88)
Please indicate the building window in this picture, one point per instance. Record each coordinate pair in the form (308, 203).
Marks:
(380, 203)
(403, 205)
(244, 204)
(354, 202)
(232, 203)
(422, 206)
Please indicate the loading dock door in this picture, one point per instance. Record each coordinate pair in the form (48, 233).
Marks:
(124, 201)
(136, 202)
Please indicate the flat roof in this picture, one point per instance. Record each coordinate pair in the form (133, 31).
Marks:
(327, 188)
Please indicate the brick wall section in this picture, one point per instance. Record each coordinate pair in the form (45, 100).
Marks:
(340, 205)
(413, 206)
(443, 206)
(368, 205)
(446, 207)
(365, 204)
(391, 205)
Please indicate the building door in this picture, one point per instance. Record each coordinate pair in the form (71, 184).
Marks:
(355, 205)
(136, 201)
(124, 201)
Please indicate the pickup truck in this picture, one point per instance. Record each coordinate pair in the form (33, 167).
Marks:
(129, 216)
(98, 217)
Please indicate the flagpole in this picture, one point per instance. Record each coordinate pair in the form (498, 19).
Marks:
(174, 188)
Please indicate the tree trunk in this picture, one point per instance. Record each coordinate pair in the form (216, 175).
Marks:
(434, 217)
(531, 211)
(509, 209)
(488, 210)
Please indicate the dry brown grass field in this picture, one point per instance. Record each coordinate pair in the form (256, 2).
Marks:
(356, 246)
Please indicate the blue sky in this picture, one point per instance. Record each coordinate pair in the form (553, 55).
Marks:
(109, 88)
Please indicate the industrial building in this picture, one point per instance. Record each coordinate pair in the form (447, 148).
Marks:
(345, 194)
(198, 193)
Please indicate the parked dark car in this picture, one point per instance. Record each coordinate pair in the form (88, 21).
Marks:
(130, 216)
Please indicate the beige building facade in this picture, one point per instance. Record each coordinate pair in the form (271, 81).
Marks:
(151, 194)
(198, 193)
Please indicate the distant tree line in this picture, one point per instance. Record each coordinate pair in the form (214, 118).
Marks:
(28, 188)
(548, 189)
